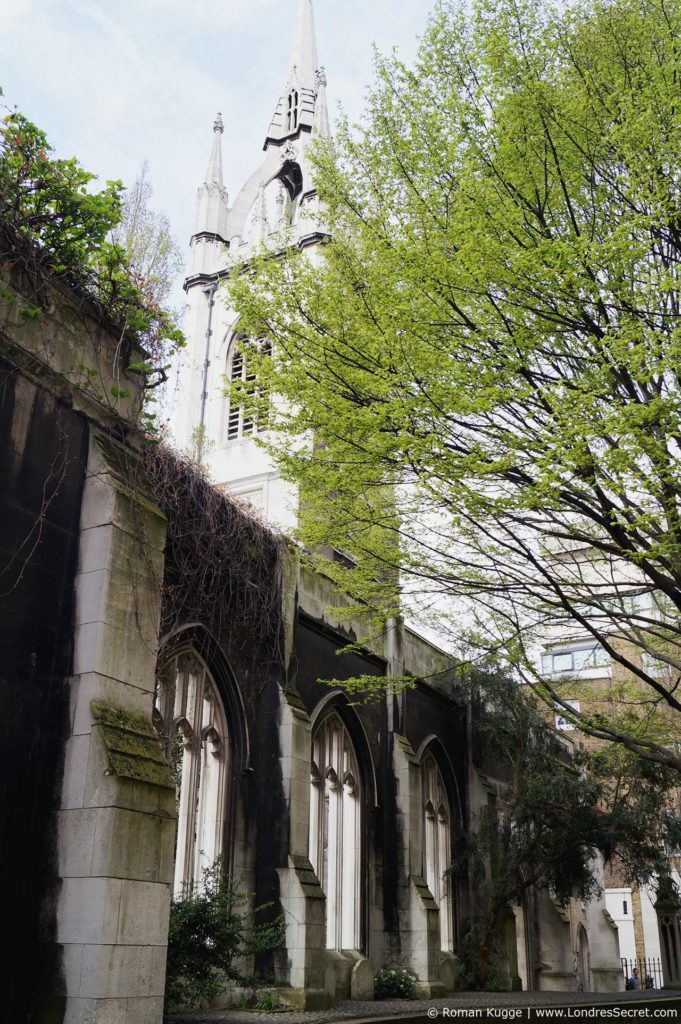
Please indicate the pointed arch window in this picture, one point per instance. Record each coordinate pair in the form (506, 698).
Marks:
(335, 830)
(245, 417)
(191, 719)
(292, 111)
(437, 846)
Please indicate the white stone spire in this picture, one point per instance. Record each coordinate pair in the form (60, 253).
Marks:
(302, 64)
(211, 200)
(295, 110)
(214, 172)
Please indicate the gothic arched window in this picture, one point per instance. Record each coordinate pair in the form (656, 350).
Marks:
(242, 416)
(190, 715)
(292, 112)
(437, 845)
(335, 830)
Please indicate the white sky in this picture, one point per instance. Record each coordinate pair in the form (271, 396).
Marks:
(115, 82)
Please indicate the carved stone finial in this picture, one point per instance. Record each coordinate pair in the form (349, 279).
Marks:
(218, 124)
(320, 75)
(288, 152)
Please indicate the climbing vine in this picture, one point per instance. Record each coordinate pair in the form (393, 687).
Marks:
(222, 564)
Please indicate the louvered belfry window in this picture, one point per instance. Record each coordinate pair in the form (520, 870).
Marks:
(241, 420)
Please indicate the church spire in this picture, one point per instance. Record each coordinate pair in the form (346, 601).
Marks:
(303, 60)
(295, 110)
(211, 200)
(214, 172)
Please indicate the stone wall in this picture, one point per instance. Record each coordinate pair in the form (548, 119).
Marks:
(86, 801)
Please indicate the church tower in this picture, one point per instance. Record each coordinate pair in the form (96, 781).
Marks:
(278, 194)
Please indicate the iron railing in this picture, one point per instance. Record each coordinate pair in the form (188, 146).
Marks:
(649, 970)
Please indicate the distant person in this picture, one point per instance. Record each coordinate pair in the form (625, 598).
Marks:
(634, 981)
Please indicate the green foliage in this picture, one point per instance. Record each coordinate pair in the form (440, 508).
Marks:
(558, 810)
(394, 983)
(367, 688)
(494, 330)
(60, 225)
(210, 935)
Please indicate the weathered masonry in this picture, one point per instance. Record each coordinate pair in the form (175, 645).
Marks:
(87, 805)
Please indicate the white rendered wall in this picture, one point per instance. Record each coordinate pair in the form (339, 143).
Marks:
(614, 902)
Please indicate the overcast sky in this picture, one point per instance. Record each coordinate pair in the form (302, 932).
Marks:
(115, 82)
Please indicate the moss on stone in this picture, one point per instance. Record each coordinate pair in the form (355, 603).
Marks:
(132, 745)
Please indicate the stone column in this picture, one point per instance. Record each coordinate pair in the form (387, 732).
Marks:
(302, 899)
(668, 910)
(117, 818)
(419, 913)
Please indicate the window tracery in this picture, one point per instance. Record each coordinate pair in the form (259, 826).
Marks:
(190, 717)
(335, 830)
(437, 847)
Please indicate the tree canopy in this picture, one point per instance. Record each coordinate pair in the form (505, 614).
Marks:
(154, 257)
(487, 356)
(560, 807)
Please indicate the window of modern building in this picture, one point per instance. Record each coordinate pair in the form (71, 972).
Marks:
(242, 420)
(437, 846)
(574, 659)
(563, 723)
(190, 716)
(335, 830)
(656, 667)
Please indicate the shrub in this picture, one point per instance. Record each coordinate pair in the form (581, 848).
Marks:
(394, 983)
(210, 931)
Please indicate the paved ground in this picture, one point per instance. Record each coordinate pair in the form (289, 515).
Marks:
(494, 1002)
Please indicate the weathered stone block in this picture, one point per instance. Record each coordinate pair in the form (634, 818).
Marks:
(120, 597)
(450, 972)
(72, 962)
(75, 771)
(130, 844)
(77, 828)
(362, 980)
(111, 972)
(92, 686)
(144, 913)
(96, 1011)
(110, 652)
(88, 910)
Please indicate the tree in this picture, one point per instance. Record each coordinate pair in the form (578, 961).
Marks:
(493, 339)
(56, 224)
(154, 257)
(559, 810)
